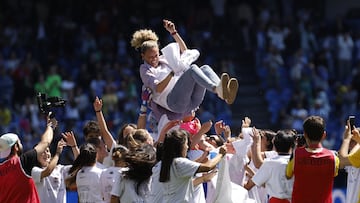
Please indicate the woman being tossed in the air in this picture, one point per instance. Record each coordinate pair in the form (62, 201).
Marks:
(177, 84)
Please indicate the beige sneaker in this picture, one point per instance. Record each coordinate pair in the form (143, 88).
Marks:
(222, 89)
(232, 88)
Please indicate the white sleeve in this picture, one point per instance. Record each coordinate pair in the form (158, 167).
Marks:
(262, 175)
(117, 187)
(36, 174)
(179, 63)
(184, 167)
(242, 146)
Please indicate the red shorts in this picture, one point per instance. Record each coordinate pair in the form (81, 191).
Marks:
(277, 200)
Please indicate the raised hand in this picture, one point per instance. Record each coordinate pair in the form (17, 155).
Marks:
(169, 26)
(60, 146)
(69, 138)
(97, 104)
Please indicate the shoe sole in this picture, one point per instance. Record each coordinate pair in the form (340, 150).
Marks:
(224, 82)
(232, 88)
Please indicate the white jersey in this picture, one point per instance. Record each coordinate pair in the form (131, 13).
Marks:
(272, 174)
(180, 187)
(125, 189)
(88, 185)
(107, 179)
(353, 184)
(156, 188)
(51, 188)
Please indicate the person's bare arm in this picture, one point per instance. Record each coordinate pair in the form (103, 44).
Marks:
(206, 177)
(250, 184)
(165, 129)
(105, 133)
(145, 97)
(70, 140)
(163, 84)
(47, 137)
(211, 164)
(170, 27)
(256, 155)
(344, 148)
(204, 128)
(50, 168)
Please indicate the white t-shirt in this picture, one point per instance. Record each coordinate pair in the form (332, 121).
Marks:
(108, 178)
(100, 165)
(88, 185)
(272, 174)
(180, 187)
(156, 188)
(125, 189)
(353, 184)
(51, 188)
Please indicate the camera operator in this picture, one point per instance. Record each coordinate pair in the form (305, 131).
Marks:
(15, 166)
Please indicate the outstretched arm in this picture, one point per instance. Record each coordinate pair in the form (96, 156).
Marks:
(344, 148)
(70, 140)
(211, 164)
(204, 128)
(50, 168)
(105, 133)
(47, 137)
(170, 27)
(165, 129)
(145, 97)
(257, 156)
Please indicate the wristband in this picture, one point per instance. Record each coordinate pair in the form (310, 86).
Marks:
(143, 109)
(174, 33)
(98, 111)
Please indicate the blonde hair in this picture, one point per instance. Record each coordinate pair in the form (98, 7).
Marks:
(144, 39)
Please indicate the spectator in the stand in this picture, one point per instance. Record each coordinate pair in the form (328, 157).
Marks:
(110, 99)
(82, 101)
(308, 39)
(5, 116)
(40, 85)
(344, 56)
(6, 86)
(277, 35)
(97, 85)
(273, 62)
(53, 82)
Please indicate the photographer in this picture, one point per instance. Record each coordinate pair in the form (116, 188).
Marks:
(15, 166)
